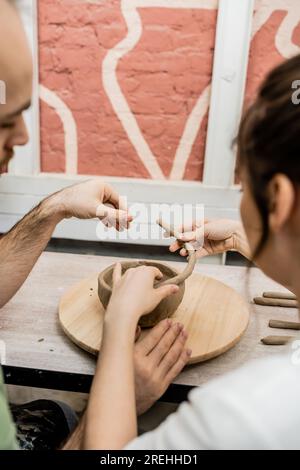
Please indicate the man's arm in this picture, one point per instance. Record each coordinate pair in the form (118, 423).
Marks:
(23, 244)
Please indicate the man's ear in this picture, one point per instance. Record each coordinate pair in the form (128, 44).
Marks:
(282, 196)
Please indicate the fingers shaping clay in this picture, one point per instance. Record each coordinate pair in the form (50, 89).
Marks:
(166, 307)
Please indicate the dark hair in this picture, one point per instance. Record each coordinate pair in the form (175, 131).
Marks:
(269, 137)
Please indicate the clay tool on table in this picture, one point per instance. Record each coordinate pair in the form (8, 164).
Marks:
(284, 325)
(277, 340)
(280, 295)
(277, 299)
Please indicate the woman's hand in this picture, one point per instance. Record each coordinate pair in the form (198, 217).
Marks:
(134, 294)
(213, 237)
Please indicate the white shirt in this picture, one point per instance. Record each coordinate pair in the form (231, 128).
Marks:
(255, 407)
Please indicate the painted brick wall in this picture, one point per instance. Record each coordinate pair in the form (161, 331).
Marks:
(276, 36)
(119, 87)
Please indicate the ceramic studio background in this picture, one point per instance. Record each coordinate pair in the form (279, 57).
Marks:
(125, 86)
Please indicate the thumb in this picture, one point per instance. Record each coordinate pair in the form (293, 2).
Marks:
(165, 291)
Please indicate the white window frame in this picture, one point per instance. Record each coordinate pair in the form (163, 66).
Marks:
(24, 185)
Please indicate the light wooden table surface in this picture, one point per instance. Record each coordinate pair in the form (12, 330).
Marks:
(39, 354)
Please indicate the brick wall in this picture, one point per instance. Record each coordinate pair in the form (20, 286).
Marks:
(130, 113)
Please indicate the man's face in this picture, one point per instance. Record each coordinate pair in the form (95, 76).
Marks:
(16, 73)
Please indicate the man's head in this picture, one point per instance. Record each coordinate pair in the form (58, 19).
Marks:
(16, 74)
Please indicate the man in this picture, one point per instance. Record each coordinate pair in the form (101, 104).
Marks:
(22, 245)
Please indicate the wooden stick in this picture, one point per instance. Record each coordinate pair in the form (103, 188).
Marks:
(284, 325)
(276, 302)
(277, 340)
(280, 295)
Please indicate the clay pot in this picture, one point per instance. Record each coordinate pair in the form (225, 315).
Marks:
(168, 306)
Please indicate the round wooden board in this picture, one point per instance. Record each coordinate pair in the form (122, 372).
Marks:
(214, 315)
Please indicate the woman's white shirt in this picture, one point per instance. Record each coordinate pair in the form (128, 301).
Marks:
(254, 407)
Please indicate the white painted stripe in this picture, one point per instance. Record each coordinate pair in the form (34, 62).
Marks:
(284, 42)
(189, 135)
(116, 96)
(120, 104)
(69, 125)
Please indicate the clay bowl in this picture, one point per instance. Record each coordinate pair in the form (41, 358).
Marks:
(168, 306)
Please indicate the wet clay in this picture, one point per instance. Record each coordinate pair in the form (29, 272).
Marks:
(169, 305)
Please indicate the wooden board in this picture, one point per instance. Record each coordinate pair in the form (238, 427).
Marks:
(214, 315)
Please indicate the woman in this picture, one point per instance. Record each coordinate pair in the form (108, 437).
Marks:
(256, 406)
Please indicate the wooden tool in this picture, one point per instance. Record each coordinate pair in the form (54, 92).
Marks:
(280, 295)
(276, 302)
(277, 340)
(284, 325)
(214, 315)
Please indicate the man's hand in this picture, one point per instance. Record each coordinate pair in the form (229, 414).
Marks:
(159, 356)
(23, 244)
(92, 199)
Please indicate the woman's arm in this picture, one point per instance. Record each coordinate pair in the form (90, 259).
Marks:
(111, 420)
(111, 413)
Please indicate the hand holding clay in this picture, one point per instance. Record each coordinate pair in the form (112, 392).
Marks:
(134, 295)
(212, 237)
(93, 199)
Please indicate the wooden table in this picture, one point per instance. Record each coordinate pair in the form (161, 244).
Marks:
(38, 354)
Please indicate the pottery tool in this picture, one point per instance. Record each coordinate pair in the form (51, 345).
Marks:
(277, 340)
(214, 315)
(284, 325)
(278, 302)
(280, 295)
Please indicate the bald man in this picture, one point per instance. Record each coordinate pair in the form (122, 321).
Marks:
(22, 245)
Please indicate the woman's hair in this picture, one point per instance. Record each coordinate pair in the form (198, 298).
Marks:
(269, 136)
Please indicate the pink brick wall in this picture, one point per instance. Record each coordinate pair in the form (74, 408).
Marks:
(161, 80)
(264, 55)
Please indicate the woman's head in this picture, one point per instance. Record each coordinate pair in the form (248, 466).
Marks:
(269, 167)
